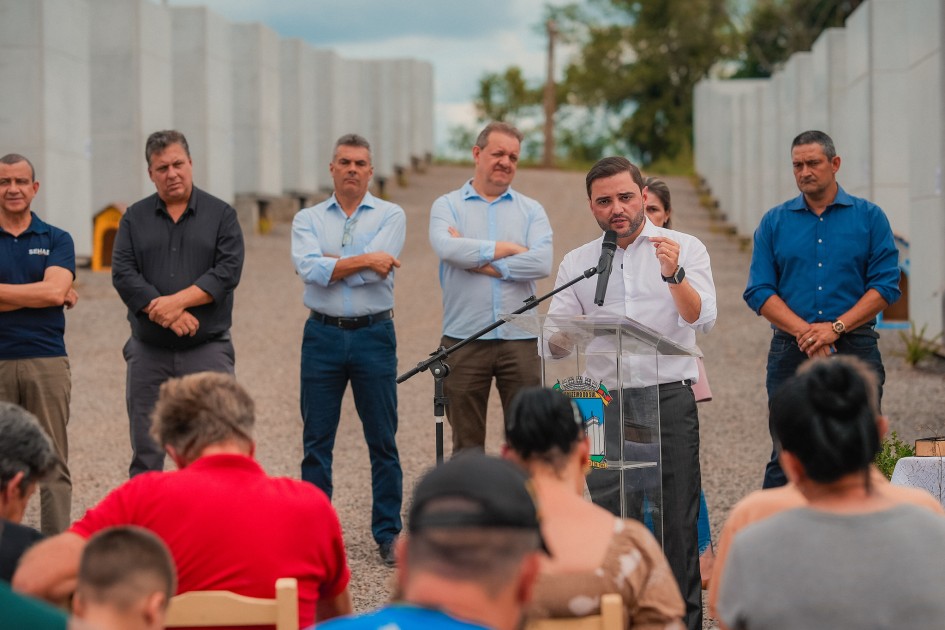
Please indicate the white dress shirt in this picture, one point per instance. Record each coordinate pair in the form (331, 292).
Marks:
(636, 290)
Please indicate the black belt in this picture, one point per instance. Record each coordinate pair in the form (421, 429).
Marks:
(351, 323)
(676, 384)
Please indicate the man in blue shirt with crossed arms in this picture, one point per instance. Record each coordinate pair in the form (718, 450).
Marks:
(493, 244)
(824, 264)
(345, 250)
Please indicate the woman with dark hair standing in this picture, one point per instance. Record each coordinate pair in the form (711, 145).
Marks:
(659, 210)
(592, 552)
(853, 557)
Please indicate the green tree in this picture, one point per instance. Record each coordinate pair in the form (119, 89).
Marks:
(776, 29)
(640, 59)
(506, 96)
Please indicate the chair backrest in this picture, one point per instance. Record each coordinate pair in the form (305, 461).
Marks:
(610, 618)
(224, 608)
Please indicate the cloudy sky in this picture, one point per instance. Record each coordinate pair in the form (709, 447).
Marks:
(462, 38)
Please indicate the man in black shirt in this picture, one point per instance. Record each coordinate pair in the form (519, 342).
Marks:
(177, 260)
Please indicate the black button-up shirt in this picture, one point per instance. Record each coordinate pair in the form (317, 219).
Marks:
(155, 256)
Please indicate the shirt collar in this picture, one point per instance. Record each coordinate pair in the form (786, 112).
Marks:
(36, 226)
(368, 201)
(841, 199)
(649, 229)
(469, 192)
(160, 206)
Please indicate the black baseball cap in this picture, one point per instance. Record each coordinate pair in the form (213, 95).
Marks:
(499, 488)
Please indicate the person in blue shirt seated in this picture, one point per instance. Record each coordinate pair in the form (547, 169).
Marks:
(823, 266)
(471, 554)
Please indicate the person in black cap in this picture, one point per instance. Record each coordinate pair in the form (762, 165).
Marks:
(471, 553)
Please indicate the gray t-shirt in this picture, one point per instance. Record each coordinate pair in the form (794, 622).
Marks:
(808, 569)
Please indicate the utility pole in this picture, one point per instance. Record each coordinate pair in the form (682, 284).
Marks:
(549, 156)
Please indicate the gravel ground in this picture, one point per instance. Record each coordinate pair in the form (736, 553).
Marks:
(267, 334)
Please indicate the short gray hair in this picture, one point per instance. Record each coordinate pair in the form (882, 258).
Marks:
(352, 140)
(24, 447)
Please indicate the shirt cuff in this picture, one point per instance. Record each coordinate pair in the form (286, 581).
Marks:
(486, 252)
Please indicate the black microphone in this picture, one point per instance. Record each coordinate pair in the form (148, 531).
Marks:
(604, 265)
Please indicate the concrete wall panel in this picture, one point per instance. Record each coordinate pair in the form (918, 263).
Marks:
(297, 122)
(131, 94)
(257, 109)
(925, 111)
(45, 67)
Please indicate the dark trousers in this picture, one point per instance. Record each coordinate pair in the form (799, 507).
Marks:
(784, 357)
(148, 367)
(514, 364)
(367, 357)
(679, 473)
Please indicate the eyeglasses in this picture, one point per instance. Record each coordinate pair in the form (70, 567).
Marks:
(346, 238)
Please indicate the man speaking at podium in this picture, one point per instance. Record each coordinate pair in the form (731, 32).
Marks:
(662, 279)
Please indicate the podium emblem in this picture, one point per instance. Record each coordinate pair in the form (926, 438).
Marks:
(590, 397)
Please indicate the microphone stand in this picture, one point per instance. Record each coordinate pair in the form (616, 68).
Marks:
(440, 369)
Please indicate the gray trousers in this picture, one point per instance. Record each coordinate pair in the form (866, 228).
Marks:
(148, 368)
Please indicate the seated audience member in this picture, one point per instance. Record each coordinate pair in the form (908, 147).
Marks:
(761, 504)
(470, 556)
(228, 525)
(592, 552)
(19, 611)
(26, 456)
(852, 557)
(126, 579)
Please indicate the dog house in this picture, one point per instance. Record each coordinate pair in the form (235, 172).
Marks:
(104, 229)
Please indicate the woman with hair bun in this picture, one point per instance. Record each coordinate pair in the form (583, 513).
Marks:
(854, 556)
(592, 552)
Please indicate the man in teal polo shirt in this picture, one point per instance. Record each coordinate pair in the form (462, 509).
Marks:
(37, 267)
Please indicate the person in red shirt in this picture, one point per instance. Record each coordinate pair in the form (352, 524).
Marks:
(228, 525)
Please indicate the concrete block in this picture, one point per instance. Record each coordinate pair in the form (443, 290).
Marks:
(774, 157)
(299, 133)
(132, 94)
(257, 110)
(925, 111)
(203, 95)
(421, 110)
(44, 47)
(325, 115)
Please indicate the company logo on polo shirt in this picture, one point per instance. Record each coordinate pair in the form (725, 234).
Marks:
(39, 251)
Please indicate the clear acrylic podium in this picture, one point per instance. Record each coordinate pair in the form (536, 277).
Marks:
(610, 365)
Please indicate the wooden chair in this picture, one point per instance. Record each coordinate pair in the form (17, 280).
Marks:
(225, 608)
(610, 618)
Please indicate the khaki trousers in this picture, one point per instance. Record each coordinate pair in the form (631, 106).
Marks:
(43, 386)
(513, 363)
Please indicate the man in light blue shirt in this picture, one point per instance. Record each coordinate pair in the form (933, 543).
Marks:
(345, 250)
(493, 244)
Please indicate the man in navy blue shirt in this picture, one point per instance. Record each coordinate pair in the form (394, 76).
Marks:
(824, 265)
(37, 267)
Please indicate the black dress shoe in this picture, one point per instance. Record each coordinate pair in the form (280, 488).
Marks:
(386, 551)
